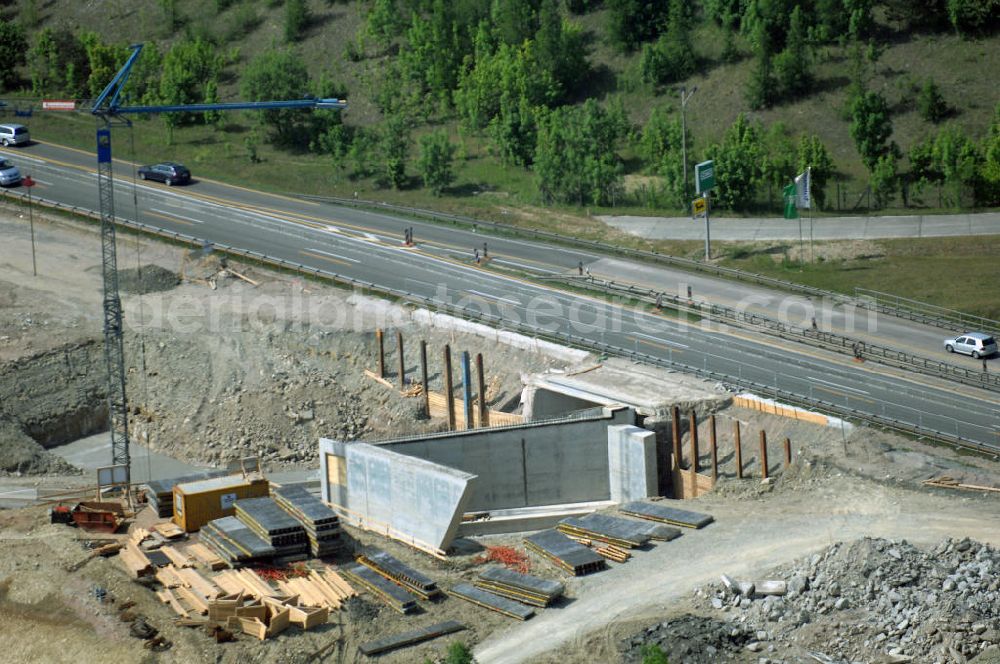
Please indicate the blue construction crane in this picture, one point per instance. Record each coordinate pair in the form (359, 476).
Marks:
(108, 112)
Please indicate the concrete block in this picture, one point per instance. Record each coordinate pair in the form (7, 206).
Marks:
(632, 469)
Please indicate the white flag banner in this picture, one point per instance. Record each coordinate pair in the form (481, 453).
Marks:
(803, 195)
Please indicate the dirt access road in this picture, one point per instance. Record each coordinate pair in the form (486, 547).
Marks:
(749, 537)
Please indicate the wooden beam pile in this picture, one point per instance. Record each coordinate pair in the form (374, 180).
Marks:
(135, 561)
(322, 589)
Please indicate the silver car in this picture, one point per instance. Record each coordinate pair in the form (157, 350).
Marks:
(975, 344)
(14, 134)
(9, 173)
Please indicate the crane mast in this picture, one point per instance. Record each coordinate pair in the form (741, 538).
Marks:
(109, 112)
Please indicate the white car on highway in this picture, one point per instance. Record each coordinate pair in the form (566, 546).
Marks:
(975, 344)
(10, 175)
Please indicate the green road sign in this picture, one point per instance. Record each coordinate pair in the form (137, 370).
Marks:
(704, 176)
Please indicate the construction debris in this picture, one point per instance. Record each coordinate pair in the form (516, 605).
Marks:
(394, 570)
(488, 600)
(410, 638)
(564, 552)
(947, 482)
(524, 588)
(665, 514)
(507, 556)
(396, 597)
(605, 528)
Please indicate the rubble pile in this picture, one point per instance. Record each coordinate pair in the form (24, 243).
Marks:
(870, 600)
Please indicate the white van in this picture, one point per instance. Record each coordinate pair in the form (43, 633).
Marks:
(14, 134)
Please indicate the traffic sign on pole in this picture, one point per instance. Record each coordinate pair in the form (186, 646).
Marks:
(698, 206)
(704, 176)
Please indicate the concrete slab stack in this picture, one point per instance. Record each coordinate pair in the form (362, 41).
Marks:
(488, 600)
(322, 525)
(606, 528)
(399, 599)
(571, 556)
(232, 540)
(274, 525)
(664, 513)
(160, 493)
(392, 569)
(523, 588)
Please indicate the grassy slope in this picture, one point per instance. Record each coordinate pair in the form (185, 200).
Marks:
(963, 70)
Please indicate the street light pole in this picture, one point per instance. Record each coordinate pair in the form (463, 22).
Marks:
(28, 184)
(684, 101)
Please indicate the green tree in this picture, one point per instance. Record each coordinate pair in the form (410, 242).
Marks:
(871, 127)
(738, 160)
(560, 49)
(275, 75)
(296, 19)
(458, 653)
(671, 57)
(884, 180)
(955, 157)
(13, 46)
(383, 23)
(860, 22)
(190, 76)
(435, 161)
(514, 20)
(632, 22)
(779, 162)
(103, 61)
(660, 146)
(930, 103)
(760, 86)
(792, 66)
(575, 158)
(970, 17)
(171, 17)
(653, 654)
(393, 150)
(433, 56)
(988, 191)
(812, 154)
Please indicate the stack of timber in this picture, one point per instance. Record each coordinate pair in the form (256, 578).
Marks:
(273, 525)
(608, 529)
(185, 586)
(488, 600)
(612, 552)
(320, 589)
(321, 523)
(206, 557)
(249, 583)
(391, 568)
(160, 493)
(397, 641)
(564, 552)
(524, 588)
(234, 541)
(136, 562)
(396, 597)
(666, 514)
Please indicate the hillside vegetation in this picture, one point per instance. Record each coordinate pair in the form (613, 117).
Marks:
(485, 104)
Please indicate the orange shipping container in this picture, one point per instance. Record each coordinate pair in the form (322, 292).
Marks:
(197, 503)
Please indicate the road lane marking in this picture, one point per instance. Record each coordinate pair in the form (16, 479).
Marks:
(171, 218)
(178, 216)
(659, 340)
(492, 297)
(325, 258)
(838, 386)
(327, 253)
(844, 394)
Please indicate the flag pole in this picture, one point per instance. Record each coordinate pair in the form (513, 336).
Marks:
(809, 181)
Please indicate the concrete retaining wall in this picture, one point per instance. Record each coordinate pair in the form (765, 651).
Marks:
(542, 463)
(632, 468)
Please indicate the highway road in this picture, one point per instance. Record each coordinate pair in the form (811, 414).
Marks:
(368, 246)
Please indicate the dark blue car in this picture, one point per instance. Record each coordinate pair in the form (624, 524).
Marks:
(167, 172)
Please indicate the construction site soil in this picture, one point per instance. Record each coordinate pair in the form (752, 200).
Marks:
(224, 368)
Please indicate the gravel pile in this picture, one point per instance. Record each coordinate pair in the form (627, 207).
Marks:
(872, 600)
(148, 279)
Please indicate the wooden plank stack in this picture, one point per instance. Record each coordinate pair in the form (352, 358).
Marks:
(321, 589)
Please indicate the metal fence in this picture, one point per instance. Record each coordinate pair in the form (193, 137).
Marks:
(922, 312)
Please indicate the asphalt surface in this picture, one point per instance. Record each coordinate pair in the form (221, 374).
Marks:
(368, 246)
(753, 229)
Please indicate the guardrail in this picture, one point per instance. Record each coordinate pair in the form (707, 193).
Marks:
(899, 310)
(922, 312)
(828, 340)
(729, 381)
